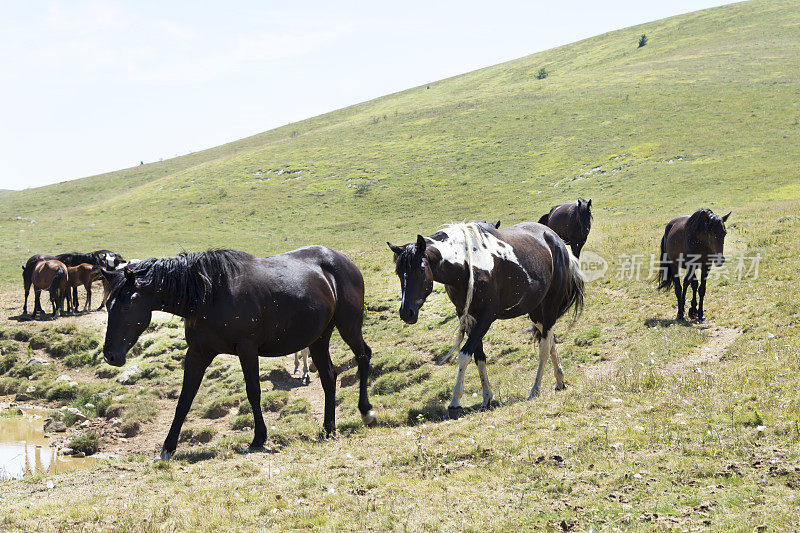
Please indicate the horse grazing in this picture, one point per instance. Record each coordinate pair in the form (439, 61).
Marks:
(83, 274)
(49, 274)
(492, 274)
(237, 304)
(571, 222)
(691, 242)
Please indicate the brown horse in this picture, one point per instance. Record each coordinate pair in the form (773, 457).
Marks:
(50, 274)
(571, 222)
(82, 275)
(691, 242)
(492, 274)
(237, 304)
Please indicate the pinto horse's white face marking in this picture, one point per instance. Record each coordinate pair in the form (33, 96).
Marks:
(110, 258)
(485, 247)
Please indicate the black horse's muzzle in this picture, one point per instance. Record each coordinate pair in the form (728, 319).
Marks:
(112, 358)
(409, 315)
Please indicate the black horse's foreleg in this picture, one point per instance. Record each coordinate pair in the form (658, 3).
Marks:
(693, 307)
(194, 368)
(702, 293)
(367, 414)
(687, 280)
(248, 358)
(37, 302)
(464, 357)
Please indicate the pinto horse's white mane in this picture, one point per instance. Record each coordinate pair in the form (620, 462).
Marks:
(467, 243)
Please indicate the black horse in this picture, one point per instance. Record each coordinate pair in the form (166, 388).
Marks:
(234, 303)
(103, 258)
(691, 242)
(571, 222)
(492, 274)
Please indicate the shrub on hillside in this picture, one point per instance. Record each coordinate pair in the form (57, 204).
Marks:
(541, 74)
(642, 40)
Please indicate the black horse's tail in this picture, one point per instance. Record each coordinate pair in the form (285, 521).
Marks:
(665, 276)
(544, 219)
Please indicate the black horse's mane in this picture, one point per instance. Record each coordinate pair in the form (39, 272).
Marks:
(188, 279)
(701, 220)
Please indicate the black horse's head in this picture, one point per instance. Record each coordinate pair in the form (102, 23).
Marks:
(585, 214)
(416, 278)
(130, 308)
(707, 231)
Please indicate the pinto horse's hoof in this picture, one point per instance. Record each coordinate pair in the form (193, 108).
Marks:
(163, 456)
(454, 413)
(701, 320)
(369, 418)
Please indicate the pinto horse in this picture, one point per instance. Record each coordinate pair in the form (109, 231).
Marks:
(691, 242)
(49, 274)
(83, 274)
(571, 222)
(492, 274)
(237, 304)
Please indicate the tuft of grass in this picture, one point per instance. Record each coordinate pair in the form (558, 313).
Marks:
(274, 400)
(88, 443)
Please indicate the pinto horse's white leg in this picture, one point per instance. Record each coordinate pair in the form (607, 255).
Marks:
(487, 388)
(305, 352)
(544, 352)
(296, 362)
(458, 389)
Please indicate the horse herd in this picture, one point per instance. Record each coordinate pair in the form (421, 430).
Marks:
(234, 303)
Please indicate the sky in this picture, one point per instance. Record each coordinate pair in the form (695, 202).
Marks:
(95, 86)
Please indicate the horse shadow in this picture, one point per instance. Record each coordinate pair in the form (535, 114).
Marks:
(281, 379)
(47, 317)
(665, 322)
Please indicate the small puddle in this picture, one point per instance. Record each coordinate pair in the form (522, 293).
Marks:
(24, 449)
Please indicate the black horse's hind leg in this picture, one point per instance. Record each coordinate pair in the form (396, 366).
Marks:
(350, 330)
(248, 357)
(680, 295)
(194, 368)
(693, 281)
(37, 302)
(327, 377)
(27, 290)
(702, 292)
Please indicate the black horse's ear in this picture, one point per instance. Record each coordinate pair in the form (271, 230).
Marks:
(396, 249)
(421, 244)
(589, 203)
(497, 225)
(725, 218)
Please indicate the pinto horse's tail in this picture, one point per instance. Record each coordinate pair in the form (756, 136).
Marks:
(574, 297)
(665, 276)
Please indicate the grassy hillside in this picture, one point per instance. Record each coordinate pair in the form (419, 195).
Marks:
(661, 426)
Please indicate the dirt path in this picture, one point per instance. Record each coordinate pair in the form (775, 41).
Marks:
(720, 339)
(709, 352)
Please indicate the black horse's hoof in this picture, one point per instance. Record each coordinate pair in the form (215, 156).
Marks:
(701, 320)
(255, 448)
(692, 313)
(454, 413)
(680, 318)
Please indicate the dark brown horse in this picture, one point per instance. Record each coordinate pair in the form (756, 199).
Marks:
(691, 242)
(571, 222)
(82, 275)
(27, 280)
(50, 274)
(492, 274)
(236, 304)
